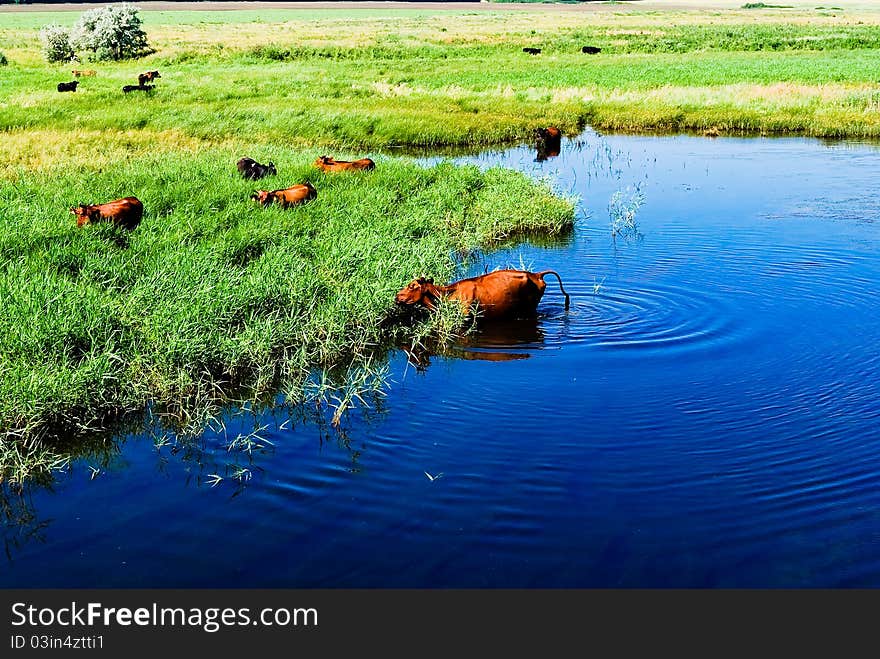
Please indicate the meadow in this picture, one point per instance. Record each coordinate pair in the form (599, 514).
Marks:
(212, 293)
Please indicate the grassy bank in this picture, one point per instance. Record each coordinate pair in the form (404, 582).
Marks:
(213, 290)
(420, 78)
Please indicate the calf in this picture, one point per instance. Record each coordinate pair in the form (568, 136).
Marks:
(293, 196)
(330, 164)
(125, 213)
(148, 76)
(68, 86)
(141, 88)
(591, 50)
(532, 51)
(83, 72)
(499, 294)
(252, 170)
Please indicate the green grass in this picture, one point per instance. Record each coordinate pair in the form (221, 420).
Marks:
(213, 291)
(425, 79)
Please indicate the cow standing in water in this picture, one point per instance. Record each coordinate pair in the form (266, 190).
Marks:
(499, 294)
(125, 213)
(548, 142)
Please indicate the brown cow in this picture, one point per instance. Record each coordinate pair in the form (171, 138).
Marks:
(83, 72)
(548, 142)
(147, 76)
(330, 164)
(499, 294)
(125, 213)
(298, 194)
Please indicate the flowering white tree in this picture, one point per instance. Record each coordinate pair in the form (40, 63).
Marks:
(56, 43)
(111, 32)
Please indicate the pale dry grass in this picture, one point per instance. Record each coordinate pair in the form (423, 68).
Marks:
(35, 149)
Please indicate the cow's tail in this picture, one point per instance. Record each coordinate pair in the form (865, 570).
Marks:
(553, 272)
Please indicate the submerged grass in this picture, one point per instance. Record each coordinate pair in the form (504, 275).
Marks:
(212, 291)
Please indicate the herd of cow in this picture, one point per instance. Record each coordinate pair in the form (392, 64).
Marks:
(143, 79)
(495, 295)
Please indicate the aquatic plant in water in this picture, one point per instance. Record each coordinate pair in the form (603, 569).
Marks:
(622, 209)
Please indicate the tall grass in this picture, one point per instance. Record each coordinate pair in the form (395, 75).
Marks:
(211, 291)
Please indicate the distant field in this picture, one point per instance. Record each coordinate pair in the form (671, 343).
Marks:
(377, 78)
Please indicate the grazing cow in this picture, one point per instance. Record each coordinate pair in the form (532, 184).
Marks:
(148, 76)
(298, 194)
(125, 213)
(83, 72)
(252, 170)
(548, 142)
(532, 51)
(499, 294)
(591, 50)
(330, 164)
(141, 88)
(68, 86)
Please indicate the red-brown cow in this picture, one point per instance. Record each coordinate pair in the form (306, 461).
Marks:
(126, 213)
(499, 294)
(330, 164)
(297, 194)
(548, 142)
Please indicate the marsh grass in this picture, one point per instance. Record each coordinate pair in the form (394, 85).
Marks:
(212, 292)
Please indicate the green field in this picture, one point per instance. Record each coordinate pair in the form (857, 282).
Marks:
(212, 294)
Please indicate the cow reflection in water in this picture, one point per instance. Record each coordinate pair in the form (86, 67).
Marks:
(492, 342)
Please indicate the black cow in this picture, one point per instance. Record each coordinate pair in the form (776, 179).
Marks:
(68, 86)
(142, 88)
(148, 76)
(591, 50)
(532, 51)
(252, 170)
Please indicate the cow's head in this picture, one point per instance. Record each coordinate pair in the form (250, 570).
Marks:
(419, 291)
(263, 197)
(324, 161)
(84, 214)
(271, 169)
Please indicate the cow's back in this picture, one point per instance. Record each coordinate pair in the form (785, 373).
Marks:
(501, 293)
(126, 212)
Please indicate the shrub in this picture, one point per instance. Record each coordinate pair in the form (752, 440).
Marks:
(111, 32)
(56, 43)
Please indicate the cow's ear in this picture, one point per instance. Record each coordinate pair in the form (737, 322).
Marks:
(429, 280)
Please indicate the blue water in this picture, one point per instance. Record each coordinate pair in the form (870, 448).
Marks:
(707, 413)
